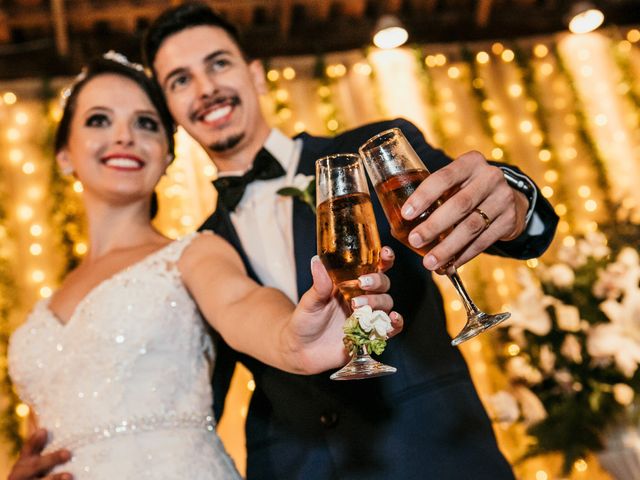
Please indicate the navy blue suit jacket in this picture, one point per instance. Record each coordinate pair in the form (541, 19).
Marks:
(424, 422)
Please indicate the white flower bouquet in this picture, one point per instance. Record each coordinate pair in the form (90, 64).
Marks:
(572, 349)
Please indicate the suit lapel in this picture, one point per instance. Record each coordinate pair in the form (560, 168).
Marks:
(304, 221)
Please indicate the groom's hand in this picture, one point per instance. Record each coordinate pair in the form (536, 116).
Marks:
(32, 464)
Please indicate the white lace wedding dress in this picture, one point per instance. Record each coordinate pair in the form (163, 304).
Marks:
(125, 384)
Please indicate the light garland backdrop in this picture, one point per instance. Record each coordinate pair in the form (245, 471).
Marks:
(564, 108)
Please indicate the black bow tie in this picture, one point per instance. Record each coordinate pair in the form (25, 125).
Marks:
(231, 189)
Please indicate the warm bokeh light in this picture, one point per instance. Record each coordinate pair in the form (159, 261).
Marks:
(586, 21)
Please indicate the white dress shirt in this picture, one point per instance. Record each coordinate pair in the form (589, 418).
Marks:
(264, 220)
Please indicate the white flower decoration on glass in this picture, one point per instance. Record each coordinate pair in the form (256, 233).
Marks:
(367, 328)
(374, 322)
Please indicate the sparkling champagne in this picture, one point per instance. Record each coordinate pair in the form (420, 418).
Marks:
(392, 193)
(348, 240)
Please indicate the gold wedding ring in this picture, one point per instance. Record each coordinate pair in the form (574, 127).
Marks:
(487, 220)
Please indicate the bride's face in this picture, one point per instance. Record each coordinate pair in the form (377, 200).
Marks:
(117, 145)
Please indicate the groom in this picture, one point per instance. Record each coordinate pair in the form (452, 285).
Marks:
(426, 421)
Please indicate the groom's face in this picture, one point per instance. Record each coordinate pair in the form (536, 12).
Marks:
(211, 90)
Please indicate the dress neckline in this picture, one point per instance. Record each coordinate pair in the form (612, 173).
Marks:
(100, 285)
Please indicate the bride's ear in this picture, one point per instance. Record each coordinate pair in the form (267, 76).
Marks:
(64, 162)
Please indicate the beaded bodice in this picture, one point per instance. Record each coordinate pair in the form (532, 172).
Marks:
(134, 358)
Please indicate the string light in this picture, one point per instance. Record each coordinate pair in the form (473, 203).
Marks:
(541, 475)
(10, 98)
(80, 248)
(25, 213)
(35, 249)
(580, 465)
(35, 230)
(288, 73)
(45, 292)
(22, 410)
(37, 276)
(28, 168)
(16, 155)
(273, 75)
(482, 57)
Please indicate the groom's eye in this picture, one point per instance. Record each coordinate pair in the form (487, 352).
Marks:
(178, 82)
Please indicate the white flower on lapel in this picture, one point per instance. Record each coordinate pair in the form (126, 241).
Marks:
(303, 188)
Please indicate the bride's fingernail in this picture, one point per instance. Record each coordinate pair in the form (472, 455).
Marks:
(359, 302)
(365, 281)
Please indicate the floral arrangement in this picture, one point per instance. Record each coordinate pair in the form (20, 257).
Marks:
(572, 349)
(366, 328)
(303, 188)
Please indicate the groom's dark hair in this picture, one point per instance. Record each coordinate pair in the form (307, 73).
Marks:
(182, 17)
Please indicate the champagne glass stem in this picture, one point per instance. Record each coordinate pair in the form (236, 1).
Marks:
(469, 306)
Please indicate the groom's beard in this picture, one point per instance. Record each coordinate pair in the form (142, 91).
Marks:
(226, 144)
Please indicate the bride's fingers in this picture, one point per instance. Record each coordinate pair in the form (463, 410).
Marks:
(397, 324)
(387, 257)
(381, 301)
(374, 282)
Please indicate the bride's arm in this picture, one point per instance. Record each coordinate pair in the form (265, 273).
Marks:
(262, 322)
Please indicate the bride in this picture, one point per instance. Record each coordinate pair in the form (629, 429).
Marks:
(116, 365)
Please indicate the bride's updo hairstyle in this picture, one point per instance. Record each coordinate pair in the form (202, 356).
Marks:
(117, 64)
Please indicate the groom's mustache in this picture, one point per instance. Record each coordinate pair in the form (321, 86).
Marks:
(213, 101)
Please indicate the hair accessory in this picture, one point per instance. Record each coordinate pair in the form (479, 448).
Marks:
(122, 60)
(67, 91)
(110, 55)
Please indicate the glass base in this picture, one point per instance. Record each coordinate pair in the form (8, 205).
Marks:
(477, 324)
(362, 366)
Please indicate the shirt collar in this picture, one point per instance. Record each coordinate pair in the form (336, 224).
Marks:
(279, 145)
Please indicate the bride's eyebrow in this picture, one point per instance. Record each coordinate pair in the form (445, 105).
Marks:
(98, 108)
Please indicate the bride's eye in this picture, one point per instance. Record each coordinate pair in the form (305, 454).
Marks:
(97, 120)
(148, 123)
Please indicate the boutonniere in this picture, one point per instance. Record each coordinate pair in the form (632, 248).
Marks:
(303, 188)
(367, 328)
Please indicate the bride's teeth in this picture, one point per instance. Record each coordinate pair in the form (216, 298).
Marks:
(217, 114)
(123, 162)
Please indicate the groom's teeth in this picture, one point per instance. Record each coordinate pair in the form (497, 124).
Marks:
(123, 162)
(217, 114)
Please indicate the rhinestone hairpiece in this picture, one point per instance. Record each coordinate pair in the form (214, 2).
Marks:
(110, 55)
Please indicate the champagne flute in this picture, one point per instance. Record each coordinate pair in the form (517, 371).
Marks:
(348, 241)
(396, 171)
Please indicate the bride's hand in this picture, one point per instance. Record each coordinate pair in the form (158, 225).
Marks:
(316, 329)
